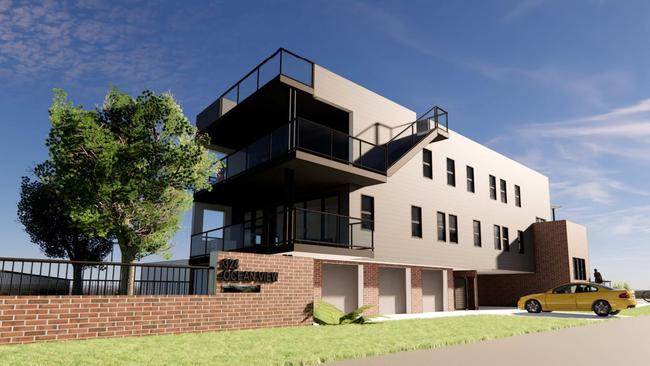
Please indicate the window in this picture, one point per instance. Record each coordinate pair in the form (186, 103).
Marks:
(477, 233)
(566, 289)
(517, 196)
(579, 271)
(416, 221)
(520, 240)
(367, 212)
(427, 165)
(451, 172)
(493, 187)
(470, 179)
(497, 237)
(539, 219)
(504, 193)
(506, 239)
(453, 229)
(442, 227)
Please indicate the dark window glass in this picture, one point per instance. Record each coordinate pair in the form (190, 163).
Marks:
(506, 239)
(470, 179)
(451, 172)
(442, 227)
(477, 233)
(367, 212)
(504, 193)
(416, 221)
(517, 196)
(427, 164)
(453, 229)
(520, 240)
(493, 187)
(579, 270)
(497, 237)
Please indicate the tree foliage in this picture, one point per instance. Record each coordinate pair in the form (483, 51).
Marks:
(126, 169)
(45, 218)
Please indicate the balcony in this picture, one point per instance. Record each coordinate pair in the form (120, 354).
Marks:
(291, 68)
(307, 227)
(309, 137)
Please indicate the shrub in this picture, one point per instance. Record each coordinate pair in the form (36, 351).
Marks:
(328, 314)
(622, 285)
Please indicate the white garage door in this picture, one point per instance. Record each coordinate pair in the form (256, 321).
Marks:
(392, 291)
(432, 291)
(340, 286)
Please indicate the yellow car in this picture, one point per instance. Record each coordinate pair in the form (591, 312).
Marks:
(581, 296)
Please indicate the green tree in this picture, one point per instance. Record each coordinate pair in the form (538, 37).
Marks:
(46, 220)
(126, 169)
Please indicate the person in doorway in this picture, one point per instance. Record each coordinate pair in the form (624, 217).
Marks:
(598, 278)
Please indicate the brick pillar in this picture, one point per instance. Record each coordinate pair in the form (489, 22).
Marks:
(416, 290)
(451, 305)
(318, 282)
(371, 287)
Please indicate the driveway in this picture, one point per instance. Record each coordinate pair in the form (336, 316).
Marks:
(616, 342)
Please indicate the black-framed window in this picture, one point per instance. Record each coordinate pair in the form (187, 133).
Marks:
(453, 229)
(497, 237)
(367, 212)
(442, 226)
(427, 164)
(517, 196)
(477, 233)
(470, 179)
(416, 221)
(493, 187)
(505, 235)
(451, 172)
(521, 242)
(504, 192)
(579, 270)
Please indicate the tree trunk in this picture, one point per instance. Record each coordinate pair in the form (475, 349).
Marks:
(127, 273)
(77, 279)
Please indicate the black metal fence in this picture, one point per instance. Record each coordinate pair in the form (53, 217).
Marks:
(27, 276)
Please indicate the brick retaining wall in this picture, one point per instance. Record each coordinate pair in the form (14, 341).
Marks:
(286, 302)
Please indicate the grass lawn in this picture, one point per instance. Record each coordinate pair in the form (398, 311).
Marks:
(288, 346)
(644, 310)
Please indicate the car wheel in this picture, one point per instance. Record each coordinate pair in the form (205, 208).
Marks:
(602, 308)
(533, 306)
(615, 312)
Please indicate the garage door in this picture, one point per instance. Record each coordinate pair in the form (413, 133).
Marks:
(432, 291)
(392, 291)
(460, 293)
(340, 286)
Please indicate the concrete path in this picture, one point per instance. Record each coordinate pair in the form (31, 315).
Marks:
(615, 342)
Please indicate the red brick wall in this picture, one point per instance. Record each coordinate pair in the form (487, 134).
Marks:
(371, 287)
(552, 268)
(416, 290)
(286, 302)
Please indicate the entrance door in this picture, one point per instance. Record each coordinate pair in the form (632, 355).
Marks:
(432, 291)
(460, 293)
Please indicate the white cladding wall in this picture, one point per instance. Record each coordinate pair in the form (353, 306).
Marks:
(393, 200)
(374, 118)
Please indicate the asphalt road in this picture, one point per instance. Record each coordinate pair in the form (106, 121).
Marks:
(624, 341)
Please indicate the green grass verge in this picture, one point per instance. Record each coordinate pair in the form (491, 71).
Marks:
(640, 311)
(284, 346)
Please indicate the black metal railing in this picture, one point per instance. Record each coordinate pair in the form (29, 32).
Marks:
(309, 227)
(305, 135)
(281, 62)
(435, 118)
(28, 276)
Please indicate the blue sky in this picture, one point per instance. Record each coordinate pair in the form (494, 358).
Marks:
(561, 86)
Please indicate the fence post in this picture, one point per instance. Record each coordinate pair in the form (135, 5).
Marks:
(212, 273)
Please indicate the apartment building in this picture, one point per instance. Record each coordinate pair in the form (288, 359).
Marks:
(398, 210)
